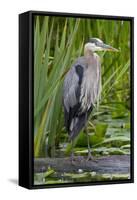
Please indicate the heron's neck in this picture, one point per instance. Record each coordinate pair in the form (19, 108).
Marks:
(88, 53)
(89, 56)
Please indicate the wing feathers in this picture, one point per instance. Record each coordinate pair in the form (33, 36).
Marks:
(71, 98)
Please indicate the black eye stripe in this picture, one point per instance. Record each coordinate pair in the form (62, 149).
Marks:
(95, 41)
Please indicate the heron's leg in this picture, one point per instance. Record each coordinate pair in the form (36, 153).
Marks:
(90, 157)
(72, 151)
(73, 158)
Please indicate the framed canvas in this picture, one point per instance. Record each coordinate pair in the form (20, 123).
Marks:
(75, 99)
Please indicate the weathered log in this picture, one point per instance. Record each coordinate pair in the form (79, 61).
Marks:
(116, 164)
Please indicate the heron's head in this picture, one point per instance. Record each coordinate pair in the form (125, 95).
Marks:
(95, 44)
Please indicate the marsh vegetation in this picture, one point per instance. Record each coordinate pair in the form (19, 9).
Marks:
(58, 41)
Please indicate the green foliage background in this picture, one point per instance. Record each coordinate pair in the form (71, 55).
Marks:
(58, 41)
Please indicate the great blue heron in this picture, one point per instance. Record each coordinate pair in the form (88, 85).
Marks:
(82, 86)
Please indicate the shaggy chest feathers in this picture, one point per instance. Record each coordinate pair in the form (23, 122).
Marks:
(90, 86)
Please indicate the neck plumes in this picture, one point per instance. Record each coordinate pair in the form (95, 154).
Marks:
(87, 50)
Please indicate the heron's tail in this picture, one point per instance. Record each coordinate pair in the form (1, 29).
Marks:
(77, 124)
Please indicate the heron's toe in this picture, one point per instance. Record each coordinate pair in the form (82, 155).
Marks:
(90, 157)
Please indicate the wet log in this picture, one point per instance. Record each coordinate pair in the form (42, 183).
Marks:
(116, 164)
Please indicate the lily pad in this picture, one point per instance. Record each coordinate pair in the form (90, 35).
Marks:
(127, 146)
(103, 151)
(114, 141)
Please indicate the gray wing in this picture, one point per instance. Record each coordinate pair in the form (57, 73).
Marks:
(71, 85)
(71, 95)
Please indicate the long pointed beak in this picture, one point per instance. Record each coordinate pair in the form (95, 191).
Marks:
(109, 48)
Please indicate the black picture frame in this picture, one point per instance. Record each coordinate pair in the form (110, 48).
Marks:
(26, 104)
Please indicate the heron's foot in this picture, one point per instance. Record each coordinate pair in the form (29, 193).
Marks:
(90, 157)
(73, 162)
(80, 158)
(72, 159)
(75, 159)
